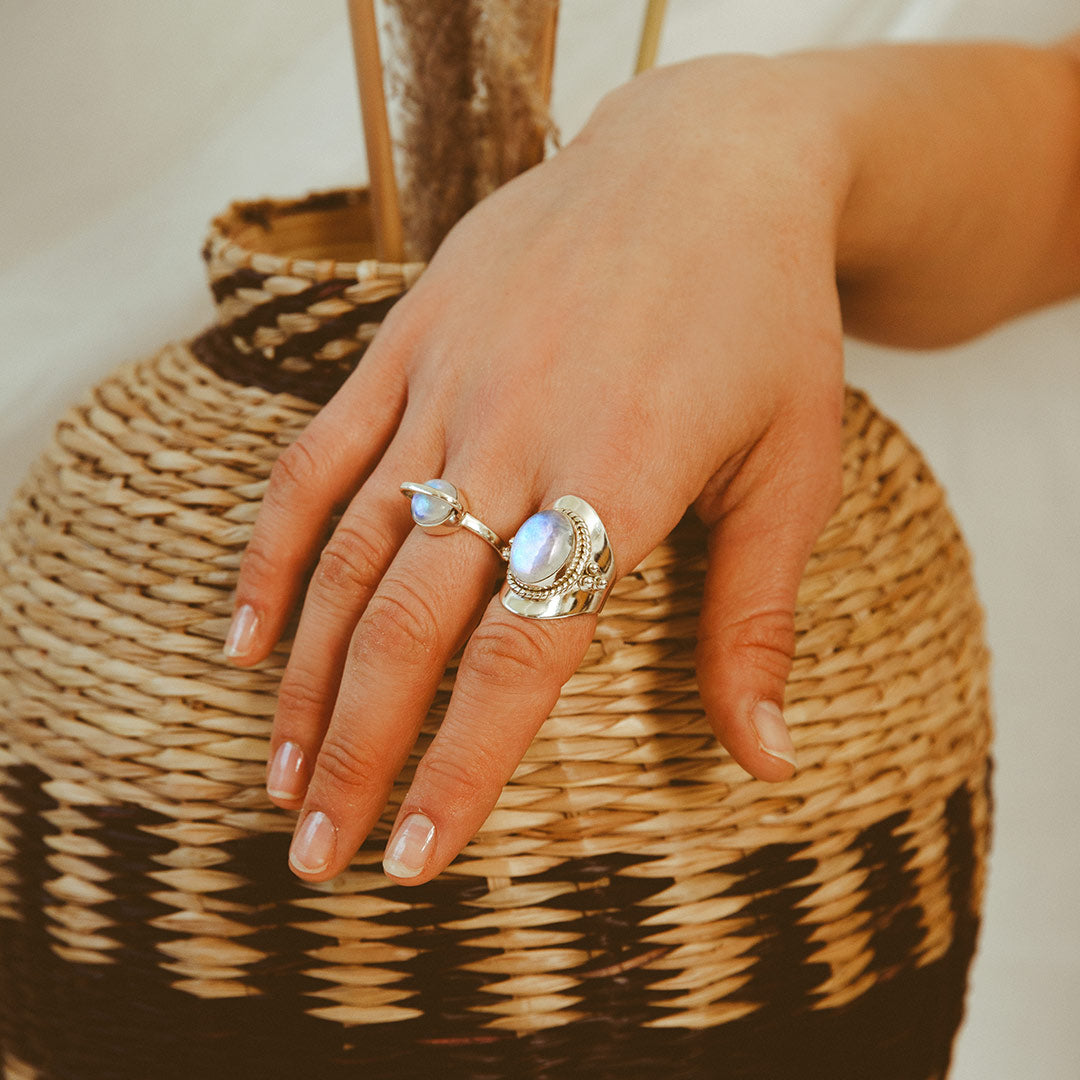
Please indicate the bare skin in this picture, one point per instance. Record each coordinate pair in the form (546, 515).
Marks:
(651, 320)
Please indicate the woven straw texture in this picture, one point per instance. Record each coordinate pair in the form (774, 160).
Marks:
(635, 906)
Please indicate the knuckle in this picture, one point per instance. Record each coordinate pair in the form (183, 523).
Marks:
(455, 774)
(821, 457)
(258, 565)
(394, 326)
(399, 620)
(345, 766)
(508, 656)
(295, 470)
(764, 641)
(352, 561)
(300, 697)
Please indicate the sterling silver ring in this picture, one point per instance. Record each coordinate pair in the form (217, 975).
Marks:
(560, 563)
(439, 508)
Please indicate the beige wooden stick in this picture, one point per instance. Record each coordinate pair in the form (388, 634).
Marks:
(544, 60)
(650, 35)
(389, 245)
(547, 51)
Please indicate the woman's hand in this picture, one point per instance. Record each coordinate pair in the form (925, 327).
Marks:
(650, 321)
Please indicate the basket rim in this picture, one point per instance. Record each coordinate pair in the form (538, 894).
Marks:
(225, 250)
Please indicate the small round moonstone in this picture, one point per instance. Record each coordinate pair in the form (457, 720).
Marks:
(542, 546)
(429, 510)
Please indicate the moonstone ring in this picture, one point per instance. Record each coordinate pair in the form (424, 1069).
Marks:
(560, 563)
(438, 507)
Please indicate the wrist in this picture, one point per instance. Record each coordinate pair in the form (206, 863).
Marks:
(754, 137)
(934, 183)
(961, 199)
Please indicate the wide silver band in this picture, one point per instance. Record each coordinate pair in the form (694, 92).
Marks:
(577, 587)
(458, 517)
(560, 562)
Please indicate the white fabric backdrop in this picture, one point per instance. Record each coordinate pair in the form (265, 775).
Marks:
(125, 127)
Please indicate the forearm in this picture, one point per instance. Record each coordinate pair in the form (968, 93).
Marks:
(963, 205)
(944, 180)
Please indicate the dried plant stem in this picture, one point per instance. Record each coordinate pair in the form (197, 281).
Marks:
(389, 245)
(432, 85)
(546, 51)
(650, 35)
(469, 85)
(544, 65)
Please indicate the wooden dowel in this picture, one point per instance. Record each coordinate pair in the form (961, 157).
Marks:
(544, 61)
(650, 35)
(546, 48)
(389, 246)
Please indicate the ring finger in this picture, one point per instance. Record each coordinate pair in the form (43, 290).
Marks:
(509, 679)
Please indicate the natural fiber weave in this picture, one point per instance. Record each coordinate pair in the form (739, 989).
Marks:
(635, 906)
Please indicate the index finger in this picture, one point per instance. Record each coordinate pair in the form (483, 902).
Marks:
(321, 470)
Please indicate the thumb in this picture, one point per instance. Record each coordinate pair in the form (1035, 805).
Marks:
(757, 552)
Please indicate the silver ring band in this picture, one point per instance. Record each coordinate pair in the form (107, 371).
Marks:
(475, 525)
(439, 508)
(560, 563)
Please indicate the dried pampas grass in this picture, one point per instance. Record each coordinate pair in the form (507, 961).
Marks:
(469, 82)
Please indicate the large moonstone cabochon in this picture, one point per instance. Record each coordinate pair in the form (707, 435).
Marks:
(541, 546)
(428, 510)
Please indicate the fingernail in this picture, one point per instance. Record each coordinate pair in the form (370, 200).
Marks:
(409, 846)
(241, 631)
(285, 780)
(313, 844)
(773, 735)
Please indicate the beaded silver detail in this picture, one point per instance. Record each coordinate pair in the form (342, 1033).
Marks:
(572, 572)
(582, 585)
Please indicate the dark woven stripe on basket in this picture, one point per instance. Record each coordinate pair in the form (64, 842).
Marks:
(132, 1025)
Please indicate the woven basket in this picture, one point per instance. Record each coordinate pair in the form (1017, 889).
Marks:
(636, 906)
